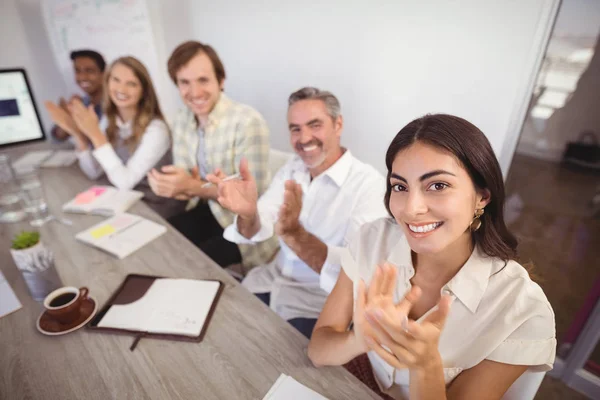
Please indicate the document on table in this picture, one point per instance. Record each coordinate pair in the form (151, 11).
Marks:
(287, 388)
(8, 300)
(122, 234)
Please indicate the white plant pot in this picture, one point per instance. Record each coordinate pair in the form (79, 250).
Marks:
(23, 257)
(39, 275)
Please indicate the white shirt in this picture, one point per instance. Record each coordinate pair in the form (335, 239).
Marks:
(123, 169)
(335, 204)
(498, 313)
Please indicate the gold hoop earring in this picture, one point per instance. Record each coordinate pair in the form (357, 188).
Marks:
(476, 223)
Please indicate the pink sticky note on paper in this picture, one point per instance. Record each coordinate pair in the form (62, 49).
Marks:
(97, 190)
(89, 195)
(85, 198)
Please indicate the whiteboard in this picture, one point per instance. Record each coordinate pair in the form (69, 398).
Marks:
(114, 28)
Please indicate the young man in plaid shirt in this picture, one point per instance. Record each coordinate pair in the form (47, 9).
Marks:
(211, 133)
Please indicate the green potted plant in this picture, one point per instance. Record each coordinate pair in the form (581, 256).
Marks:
(25, 247)
(25, 240)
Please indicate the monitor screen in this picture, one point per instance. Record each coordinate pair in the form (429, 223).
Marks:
(19, 119)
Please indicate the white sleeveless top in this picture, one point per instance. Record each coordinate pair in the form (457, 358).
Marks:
(498, 313)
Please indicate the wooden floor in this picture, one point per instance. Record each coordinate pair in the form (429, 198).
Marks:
(550, 212)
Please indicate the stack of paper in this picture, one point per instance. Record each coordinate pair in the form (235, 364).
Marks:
(122, 234)
(8, 300)
(287, 388)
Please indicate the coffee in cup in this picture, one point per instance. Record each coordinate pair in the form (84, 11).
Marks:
(64, 303)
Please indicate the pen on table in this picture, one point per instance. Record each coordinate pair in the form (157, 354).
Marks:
(137, 340)
(229, 178)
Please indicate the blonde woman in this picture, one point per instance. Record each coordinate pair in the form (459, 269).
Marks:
(132, 136)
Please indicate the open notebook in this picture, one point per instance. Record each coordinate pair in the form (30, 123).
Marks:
(178, 309)
(287, 388)
(122, 234)
(103, 200)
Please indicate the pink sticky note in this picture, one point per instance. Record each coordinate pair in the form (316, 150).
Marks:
(89, 195)
(97, 190)
(85, 197)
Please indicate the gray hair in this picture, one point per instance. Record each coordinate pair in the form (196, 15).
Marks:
(311, 93)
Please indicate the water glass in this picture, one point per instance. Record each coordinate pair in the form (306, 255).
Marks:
(33, 197)
(11, 202)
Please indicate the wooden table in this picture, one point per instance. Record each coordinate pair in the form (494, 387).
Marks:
(245, 349)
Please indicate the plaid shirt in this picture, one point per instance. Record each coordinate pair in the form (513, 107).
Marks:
(233, 131)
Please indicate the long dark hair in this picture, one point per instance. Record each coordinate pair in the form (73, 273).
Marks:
(472, 149)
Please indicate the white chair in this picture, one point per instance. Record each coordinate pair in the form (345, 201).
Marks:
(277, 159)
(525, 387)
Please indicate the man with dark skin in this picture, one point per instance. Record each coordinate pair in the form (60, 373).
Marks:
(88, 66)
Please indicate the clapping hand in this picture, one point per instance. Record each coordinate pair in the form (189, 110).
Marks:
(408, 344)
(288, 221)
(240, 196)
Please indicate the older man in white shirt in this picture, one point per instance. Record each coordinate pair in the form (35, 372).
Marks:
(317, 199)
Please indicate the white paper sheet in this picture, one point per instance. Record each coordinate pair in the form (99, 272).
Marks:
(9, 302)
(122, 234)
(287, 388)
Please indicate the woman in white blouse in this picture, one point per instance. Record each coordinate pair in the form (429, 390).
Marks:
(130, 139)
(437, 300)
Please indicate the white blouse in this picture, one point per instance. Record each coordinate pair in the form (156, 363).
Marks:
(123, 169)
(498, 313)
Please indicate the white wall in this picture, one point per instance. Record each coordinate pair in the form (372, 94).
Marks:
(388, 62)
(25, 46)
(170, 29)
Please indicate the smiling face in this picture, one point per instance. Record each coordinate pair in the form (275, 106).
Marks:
(314, 135)
(124, 87)
(198, 85)
(87, 75)
(433, 198)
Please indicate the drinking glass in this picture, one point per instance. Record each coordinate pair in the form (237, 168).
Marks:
(33, 197)
(11, 202)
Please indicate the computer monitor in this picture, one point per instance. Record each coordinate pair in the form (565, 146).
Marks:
(19, 119)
